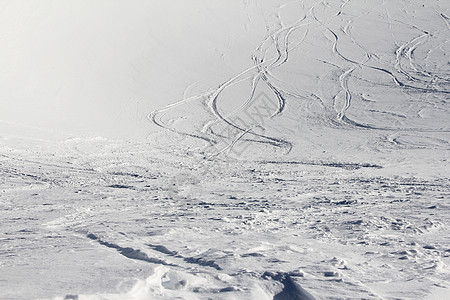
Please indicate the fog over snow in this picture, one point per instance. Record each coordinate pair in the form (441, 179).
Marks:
(211, 149)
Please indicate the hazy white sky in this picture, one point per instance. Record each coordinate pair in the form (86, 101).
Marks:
(99, 67)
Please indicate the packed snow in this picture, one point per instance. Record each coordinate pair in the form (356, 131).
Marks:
(209, 149)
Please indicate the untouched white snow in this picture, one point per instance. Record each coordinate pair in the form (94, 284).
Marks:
(224, 149)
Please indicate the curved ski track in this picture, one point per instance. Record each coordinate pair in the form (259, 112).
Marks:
(412, 79)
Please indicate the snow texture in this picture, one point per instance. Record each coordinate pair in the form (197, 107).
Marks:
(209, 149)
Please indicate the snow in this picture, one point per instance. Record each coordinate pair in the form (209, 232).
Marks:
(224, 150)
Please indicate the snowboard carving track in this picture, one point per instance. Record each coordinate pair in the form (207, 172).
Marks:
(277, 40)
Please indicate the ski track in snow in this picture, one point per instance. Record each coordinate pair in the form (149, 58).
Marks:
(295, 227)
(410, 80)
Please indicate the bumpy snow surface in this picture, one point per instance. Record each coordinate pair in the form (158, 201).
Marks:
(254, 149)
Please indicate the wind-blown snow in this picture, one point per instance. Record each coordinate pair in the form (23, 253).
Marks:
(224, 150)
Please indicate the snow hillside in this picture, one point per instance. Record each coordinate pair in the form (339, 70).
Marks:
(224, 149)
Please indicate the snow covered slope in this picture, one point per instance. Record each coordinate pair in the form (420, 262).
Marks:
(331, 77)
(224, 149)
